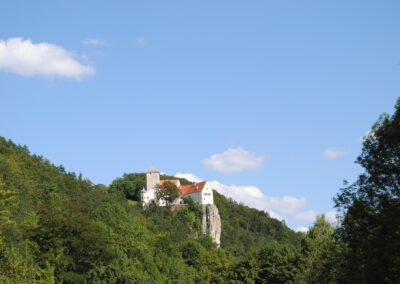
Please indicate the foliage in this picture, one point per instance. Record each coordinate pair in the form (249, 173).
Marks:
(321, 253)
(7, 204)
(371, 208)
(167, 192)
(278, 263)
(245, 228)
(61, 228)
(57, 227)
(273, 263)
(130, 185)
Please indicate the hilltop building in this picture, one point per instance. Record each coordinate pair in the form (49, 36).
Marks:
(200, 192)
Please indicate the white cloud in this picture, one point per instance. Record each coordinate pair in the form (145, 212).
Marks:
(332, 154)
(275, 215)
(189, 177)
(94, 42)
(302, 229)
(331, 217)
(254, 197)
(284, 208)
(234, 160)
(308, 215)
(25, 58)
(141, 41)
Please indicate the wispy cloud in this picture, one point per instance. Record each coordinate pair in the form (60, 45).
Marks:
(275, 215)
(284, 208)
(188, 176)
(308, 215)
(22, 57)
(234, 160)
(254, 197)
(332, 153)
(94, 42)
(302, 229)
(332, 217)
(141, 41)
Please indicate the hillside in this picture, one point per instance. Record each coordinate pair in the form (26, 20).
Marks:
(57, 227)
(245, 229)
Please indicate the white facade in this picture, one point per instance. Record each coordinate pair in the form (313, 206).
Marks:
(203, 197)
(207, 195)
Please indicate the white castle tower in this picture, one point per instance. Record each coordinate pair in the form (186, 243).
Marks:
(152, 180)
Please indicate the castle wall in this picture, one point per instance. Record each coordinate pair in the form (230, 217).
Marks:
(196, 196)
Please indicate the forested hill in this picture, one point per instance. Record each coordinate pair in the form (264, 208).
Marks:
(243, 228)
(56, 226)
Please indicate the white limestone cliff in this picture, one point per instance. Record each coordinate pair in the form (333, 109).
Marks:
(211, 223)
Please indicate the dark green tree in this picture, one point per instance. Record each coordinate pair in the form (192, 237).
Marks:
(278, 263)
(370, 228)
(167, 192)
(130, 185)
(245, 271)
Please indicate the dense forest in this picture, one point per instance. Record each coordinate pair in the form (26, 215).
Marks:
(57, 227)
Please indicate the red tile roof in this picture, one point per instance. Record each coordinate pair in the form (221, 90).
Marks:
(192, 188)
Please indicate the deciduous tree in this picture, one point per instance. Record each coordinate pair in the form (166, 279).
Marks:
(371, 207)
(167, 192)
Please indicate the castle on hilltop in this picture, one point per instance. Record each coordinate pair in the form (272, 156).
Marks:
(200, 192)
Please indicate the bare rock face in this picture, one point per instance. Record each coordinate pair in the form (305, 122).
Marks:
(211, 223)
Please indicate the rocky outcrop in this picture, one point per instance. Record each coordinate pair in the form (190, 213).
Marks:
(211, 223)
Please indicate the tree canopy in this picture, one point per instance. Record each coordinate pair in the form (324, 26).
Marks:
(371, 207)
(57, 227)
(167, 192)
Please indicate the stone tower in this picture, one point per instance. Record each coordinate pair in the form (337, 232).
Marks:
(152, 178)
(148, 194)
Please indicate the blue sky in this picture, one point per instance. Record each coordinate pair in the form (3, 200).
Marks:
(267, 99)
